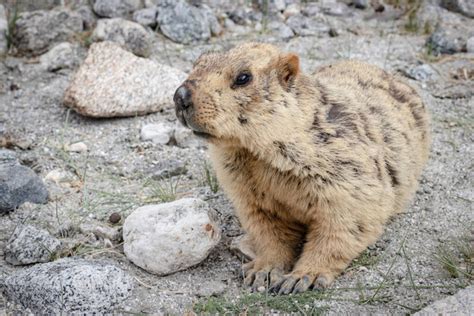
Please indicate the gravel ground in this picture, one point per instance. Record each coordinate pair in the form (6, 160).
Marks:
(400, 274)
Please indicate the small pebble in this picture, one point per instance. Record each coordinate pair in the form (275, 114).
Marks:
(114, 218)
(77, 147)
(261, 289)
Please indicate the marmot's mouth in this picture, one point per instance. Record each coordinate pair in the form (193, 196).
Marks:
(202, 134)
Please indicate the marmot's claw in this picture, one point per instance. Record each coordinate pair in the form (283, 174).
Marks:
(287, 286)
(261, 280)
(303, 284)
(293, 284)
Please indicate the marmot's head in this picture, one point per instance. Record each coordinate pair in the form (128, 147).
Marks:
(237, 94)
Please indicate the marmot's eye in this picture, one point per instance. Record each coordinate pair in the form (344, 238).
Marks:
(242, 79)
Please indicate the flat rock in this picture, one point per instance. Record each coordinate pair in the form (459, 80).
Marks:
(18, 184)
(146, 17)
(465, 7)
(170, 237)
(116, 8)
(37, 31)
(63, 55)
(158, 133)
(461, 303)
(130, 35)
(168, 168)
(68, 286)
(29, 245)
(450, 38)
(185, 23)
(113, 82)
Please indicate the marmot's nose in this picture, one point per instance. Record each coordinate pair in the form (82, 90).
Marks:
(182, 98)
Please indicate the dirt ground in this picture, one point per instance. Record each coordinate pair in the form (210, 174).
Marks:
(401, 273)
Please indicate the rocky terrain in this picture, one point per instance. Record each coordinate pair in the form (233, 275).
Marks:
(108, 205)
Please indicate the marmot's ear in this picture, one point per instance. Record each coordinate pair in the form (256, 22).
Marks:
(288, 68)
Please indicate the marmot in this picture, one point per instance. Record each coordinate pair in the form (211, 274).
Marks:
(314, 164)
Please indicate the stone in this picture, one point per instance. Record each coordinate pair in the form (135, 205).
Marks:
(311, 9)
(130, 35)
(242, 248)
(89, 19)
(449, 38)
(37, 31)
(185, 137)
(280, 30)
(422, 72)
(210, 288)
(334, 8)
(68, 286)
(60, 177)
(158, 133)
(168, 168)
(214, 25)
(3, 31)
(279, 5)
(18, 184)
(305, 26)
(78, 147)
(461, 303)
(113, 82)
(116, 8)
(470, 45)
(465, 7)
(29, 245)
(115, 218)
(146, 17)
(184, 23)
(361, 4)
(170, 237)
(292, 9)
(63, 55)
(100, 231)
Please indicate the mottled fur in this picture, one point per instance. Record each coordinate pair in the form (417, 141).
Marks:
(314, 164)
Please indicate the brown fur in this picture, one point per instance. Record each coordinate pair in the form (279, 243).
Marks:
(314, 164)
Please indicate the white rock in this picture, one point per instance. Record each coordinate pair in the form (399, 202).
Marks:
(63, 55)
(78, 147)
(130, 35)
(170, 237)
(59, 177)
(292, 9)
(159, 133)
(113, 82)
(185, 138)
(470, 45)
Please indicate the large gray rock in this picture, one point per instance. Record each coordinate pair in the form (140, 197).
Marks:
(170, 237)
(37, 31)
(185, 23)
(461, 303)
(89, 19)
(29, 245)
(64, 55)
(68, 286)
(18, 184)
(306, 26)
(3, 30)
(113, 82)
(465, 7)
(116, 8)
(450, 38)
(130, 35)
(146, 17)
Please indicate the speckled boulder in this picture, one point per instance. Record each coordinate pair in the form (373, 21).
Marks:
(113, 82)
(170, 237)
(68, 286)
(29, 245)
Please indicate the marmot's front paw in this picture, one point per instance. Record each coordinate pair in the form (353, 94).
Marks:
(296, 282)
(260, 277)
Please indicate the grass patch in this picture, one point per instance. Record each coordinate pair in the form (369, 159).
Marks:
(258, 303)
(11, 26)
(457, 257)
(209, 178)
(366, 259)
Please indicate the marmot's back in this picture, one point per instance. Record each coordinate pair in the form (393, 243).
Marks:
(391, 113)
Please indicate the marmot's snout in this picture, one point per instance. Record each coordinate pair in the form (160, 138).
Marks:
(183, 102)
